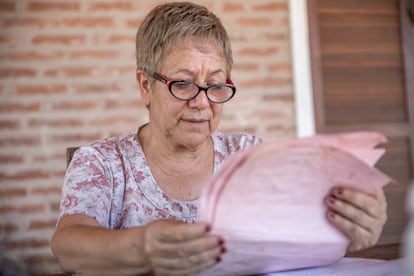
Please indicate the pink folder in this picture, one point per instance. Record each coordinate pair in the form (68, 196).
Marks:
(267, 202)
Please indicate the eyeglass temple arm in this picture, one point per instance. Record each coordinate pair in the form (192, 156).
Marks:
(158, 77)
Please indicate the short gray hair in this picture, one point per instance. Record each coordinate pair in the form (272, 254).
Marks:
(169, 23)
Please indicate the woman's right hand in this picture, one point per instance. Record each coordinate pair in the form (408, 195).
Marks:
(178, 248)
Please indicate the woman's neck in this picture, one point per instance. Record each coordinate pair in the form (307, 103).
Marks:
(179, 171)
(165, 151)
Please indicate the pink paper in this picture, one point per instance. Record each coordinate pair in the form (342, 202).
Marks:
(267, 202)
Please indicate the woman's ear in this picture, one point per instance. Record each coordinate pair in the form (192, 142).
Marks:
(144, 86)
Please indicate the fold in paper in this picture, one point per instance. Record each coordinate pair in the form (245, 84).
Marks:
(268, 202)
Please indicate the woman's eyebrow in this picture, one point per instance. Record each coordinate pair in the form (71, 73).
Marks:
(217, 72)
(191, 73)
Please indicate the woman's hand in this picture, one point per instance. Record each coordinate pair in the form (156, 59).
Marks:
(358, 215)
(177, 248)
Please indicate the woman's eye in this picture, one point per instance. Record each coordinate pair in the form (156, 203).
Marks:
(183, 85)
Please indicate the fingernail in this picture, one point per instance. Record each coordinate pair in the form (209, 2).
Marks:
(220, 241)
(331, 214)
(339, 191)
(223, 250)
(331, 200)
(208, 228)
(218, 259)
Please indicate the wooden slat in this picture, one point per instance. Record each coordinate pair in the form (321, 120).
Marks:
(383, 252)
(359, 83)
(361, 61)
(407, 35)
(69, 154)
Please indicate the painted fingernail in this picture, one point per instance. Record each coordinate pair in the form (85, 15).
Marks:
(208, 228)
(331, 200)
(220, 241)
(218, 259)
(339, 191)
(331, 214)
(223, 250)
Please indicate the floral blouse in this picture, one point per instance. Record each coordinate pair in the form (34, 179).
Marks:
(110, 180)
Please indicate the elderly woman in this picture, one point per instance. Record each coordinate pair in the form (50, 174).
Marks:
(129, 203)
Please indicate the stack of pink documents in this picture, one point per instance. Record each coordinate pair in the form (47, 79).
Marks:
(268, 202)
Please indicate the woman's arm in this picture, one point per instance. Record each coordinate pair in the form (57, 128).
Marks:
(360, 216)
(163, 247)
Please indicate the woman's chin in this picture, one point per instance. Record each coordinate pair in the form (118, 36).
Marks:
(195, 140)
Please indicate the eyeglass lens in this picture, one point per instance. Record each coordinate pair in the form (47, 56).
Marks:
(186, 90)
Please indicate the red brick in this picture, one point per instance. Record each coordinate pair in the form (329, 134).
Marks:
(287, 130)
(42, 90)
(258, 51)
(269, 114)
(29, 22)
(71, 72)
(59, 39)
(6, 73)
(4, 38)
(10, 159)
(48, 6)
(25, 175)
(277, 67)
(254, 21)
(72, 105)
(26, 209)
(19, 107)
(45, 260)
(74, 138)
(52, 122)
(115, 120)
(12, 192)
(233, 7)
(41, 224)
(96, 54)
(134, 23)
(119, 103)
(272, 36)
(278, 98)
(79, 71)
(265, 82)
(271, 7)
(46, 190)
(249, 67)
(6, 6)
(117, 39)
(97, 88)
(35, 55)
(89, 22)
(49, 158)
(120, 71)
(112, 6)
(10, 124)
(8, 228)
(19, 141)
(25, 244)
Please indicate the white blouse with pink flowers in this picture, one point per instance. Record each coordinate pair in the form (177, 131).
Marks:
(110, 180)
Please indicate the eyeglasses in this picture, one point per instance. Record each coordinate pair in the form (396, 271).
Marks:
(188, 90)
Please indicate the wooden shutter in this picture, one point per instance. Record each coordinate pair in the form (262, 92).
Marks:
(362, 58)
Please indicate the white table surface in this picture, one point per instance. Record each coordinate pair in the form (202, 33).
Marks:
(353, 267)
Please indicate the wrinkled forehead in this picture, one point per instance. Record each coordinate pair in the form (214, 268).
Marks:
(203, 45)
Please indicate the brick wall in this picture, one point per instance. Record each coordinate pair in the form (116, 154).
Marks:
(67, 77)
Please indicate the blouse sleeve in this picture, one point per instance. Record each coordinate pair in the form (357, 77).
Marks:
(87, 187)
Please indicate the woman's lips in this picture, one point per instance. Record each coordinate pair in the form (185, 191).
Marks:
(195, 121)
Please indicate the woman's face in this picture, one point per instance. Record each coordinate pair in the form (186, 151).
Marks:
(188, 123)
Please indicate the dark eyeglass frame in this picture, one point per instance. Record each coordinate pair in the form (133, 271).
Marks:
(170, 83)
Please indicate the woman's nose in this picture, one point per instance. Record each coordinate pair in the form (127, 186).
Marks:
(200, 101)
